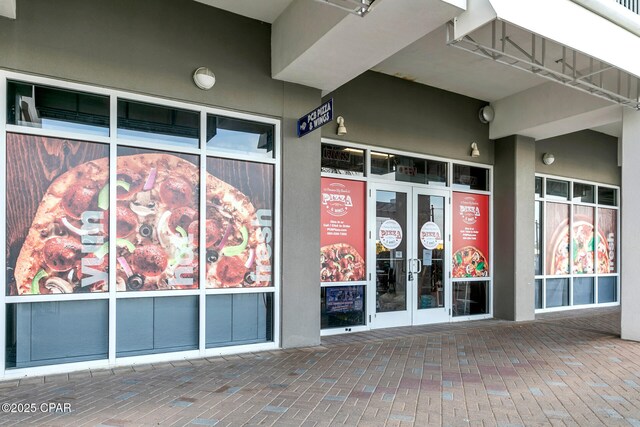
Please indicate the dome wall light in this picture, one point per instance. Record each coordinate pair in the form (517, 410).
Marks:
(548, 158)
(342, 129)
(204, 78)
(486, 114)
(474, 150)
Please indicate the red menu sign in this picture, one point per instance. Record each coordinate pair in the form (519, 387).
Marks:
(470, 235)
(342, 230)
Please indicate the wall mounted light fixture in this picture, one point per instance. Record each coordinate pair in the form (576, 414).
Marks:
(204, 78)
(474, 150)
(342, 129)
(486, 114)
(548, 158)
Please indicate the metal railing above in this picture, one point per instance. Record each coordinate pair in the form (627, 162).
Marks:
(632, 5)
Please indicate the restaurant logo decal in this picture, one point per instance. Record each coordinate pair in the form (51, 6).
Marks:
(390, 234)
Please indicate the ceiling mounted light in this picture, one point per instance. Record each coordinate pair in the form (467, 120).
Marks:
(357, 7)
(474, 150)
(204, 78)
(548, 159)
(486, 114)
(342, 129)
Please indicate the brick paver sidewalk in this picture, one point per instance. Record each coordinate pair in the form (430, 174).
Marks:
(567, 368)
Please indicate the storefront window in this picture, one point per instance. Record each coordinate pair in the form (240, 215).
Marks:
(607, 289)
(581, 244)
(470, 298)
(57, 109)
(231, 135)
(239, 319)
(57, 227)
(558, 190)
(539, 186)
(48, 333)
(239, 224)
(157, 220)
(342, 160)
(607, 196)
(156, 325)
(583, 291)
(470, 177)
(557, 292)
(583, 193)
(342, 306)
(395, 167)
(537, 241)
(62, 195)
(155, 123)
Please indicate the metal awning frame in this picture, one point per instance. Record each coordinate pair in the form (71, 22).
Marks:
(590, 80)
(356, 7)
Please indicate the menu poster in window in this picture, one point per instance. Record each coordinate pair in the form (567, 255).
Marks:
(607, 240)
(557, 235)
(57, 219)
(470, 235)
(342, 231)
(240, 224)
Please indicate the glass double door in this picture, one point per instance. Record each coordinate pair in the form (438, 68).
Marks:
(409, 241)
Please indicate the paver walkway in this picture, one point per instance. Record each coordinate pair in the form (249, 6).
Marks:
(567, 368)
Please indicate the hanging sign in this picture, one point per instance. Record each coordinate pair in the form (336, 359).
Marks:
(316, 118)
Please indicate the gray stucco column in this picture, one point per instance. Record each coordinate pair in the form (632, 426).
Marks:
(513, 219)
(300, 222)
(630, 227)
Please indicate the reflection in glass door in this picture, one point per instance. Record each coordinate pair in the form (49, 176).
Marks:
(391, 250)
(430, 256)
(410, 247)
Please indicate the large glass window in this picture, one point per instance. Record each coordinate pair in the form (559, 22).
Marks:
(342, 306)
(57, 216)
(57, 109)
(397, 167)
(47, 333)
(470, 298)
(470, 177)
(342, 160)
(231, 135)
(62, 196)
(581, 243)
(239, 224)
(156, 123)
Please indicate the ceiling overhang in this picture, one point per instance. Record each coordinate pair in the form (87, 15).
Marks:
(525, 35)
(320, 46)
(8, 8)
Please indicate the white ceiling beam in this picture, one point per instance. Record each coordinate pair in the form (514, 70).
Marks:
(8, 8)
(550, 110)
(317, 45)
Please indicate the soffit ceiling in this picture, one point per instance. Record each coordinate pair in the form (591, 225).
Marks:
(427, 61)
(262, 10)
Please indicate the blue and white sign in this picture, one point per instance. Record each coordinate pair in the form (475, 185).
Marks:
(316, 118)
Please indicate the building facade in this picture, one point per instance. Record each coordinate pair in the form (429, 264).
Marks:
(147, 219)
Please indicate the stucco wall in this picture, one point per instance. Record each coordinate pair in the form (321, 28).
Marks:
(390, 112)
(587, 155)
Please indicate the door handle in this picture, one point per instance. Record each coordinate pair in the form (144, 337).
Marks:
(420, 265)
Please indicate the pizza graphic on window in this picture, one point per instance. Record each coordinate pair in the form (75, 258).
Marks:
(582, 250)
(469, 261)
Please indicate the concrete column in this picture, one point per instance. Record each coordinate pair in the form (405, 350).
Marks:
(300, 222)
(513, 219)
(630, 227)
